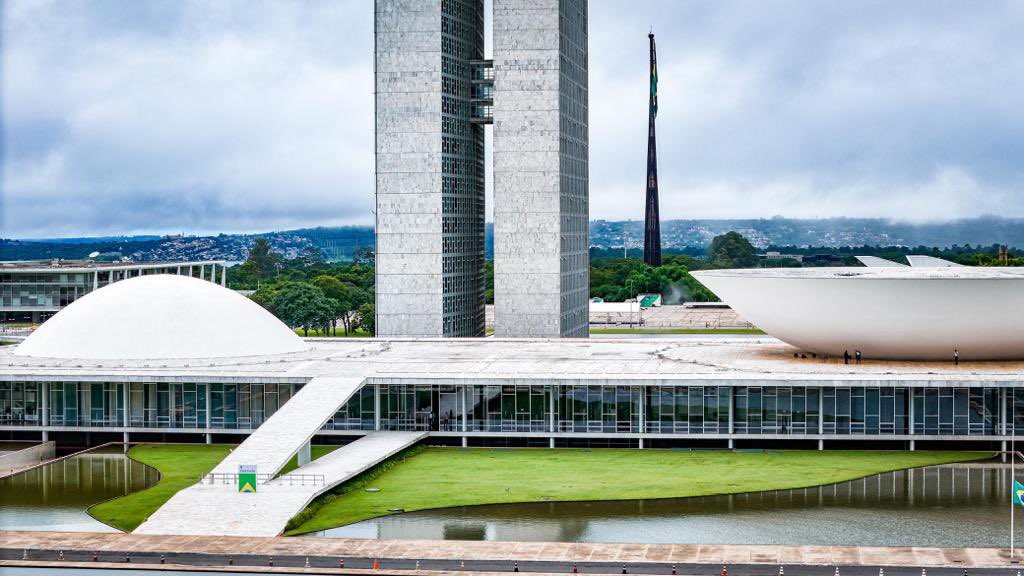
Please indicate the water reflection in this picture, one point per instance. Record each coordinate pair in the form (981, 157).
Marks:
(956, 505)
(56, 496)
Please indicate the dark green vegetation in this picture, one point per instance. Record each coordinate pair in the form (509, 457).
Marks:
(319, 298)
(310, 293)
(180, 466)
(444, 477)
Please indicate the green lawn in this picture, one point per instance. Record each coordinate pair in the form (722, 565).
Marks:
(180, 466)
(676, 331)
(441, 477)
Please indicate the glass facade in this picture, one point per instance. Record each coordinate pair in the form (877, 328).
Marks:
(34, 295)
(462, 166)
(667, 410)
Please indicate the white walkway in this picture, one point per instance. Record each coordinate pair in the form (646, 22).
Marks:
(219, 509)
(274, 443)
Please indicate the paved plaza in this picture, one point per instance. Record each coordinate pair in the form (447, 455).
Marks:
(508, 552)
(666, 317)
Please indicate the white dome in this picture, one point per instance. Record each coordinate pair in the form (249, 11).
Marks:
(161, 316)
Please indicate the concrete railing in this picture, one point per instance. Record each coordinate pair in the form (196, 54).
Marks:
(27, 457)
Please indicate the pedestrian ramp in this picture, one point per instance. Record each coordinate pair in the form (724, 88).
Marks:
(215, 506)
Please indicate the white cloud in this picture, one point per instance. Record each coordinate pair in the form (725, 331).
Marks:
(168, 115)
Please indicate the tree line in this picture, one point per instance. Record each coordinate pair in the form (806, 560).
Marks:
(310, 294)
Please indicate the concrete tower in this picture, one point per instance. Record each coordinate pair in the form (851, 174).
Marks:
(541, 259)
(434, 94)
(429, 165)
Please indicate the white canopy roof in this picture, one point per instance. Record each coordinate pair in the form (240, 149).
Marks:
(161, 316)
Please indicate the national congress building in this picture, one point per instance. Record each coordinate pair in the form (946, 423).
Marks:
(435, 93)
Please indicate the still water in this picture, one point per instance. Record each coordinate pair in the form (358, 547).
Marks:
(954, 505)
(56, 496)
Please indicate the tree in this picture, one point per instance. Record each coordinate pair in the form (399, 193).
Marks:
(264, 260)
(363, 256)
(367, 318)
(732, 250)
(342, 294)
(299, 304)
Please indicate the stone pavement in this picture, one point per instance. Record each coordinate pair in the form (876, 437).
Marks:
(219, 509)
(512, 551)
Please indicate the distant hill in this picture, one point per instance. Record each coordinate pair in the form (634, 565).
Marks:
(339, 243)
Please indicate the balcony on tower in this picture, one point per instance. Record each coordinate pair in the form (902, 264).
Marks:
(482, 96)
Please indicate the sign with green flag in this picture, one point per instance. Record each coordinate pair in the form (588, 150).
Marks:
(1018, 493)
(246, 478)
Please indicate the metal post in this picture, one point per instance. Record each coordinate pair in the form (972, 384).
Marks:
(376, 407)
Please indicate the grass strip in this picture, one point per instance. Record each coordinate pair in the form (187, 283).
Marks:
(180, 466)
(446, 477)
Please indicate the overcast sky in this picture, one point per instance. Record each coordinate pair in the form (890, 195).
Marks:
(135, 116)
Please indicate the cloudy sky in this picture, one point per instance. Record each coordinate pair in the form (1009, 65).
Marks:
(135, 116)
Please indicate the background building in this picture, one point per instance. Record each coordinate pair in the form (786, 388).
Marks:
(434, 94)
(32, 291)
(541, 267)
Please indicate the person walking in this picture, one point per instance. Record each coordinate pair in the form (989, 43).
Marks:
(846, 356)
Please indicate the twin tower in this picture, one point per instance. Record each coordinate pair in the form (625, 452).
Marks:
(435, 95)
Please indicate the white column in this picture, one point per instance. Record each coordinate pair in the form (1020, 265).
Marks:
(1002, 421)
(95, 279)
(376, 406)
(127, 406)
(464, 415)
(305, 455)
(732, 443)
(44, 411)
(552, 395)
(223, 275)
(821, 418)
(124, 439)
(910, 412)
(643, 414)
(208, 410)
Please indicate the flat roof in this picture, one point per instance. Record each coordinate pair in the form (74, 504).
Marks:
(742, 360)
(873, 272)
(91, 265)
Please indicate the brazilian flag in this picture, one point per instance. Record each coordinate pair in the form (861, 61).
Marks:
(654, 80)
(1018, 493)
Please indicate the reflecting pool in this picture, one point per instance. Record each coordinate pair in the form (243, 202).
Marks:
(57, 496)
(951, 505)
